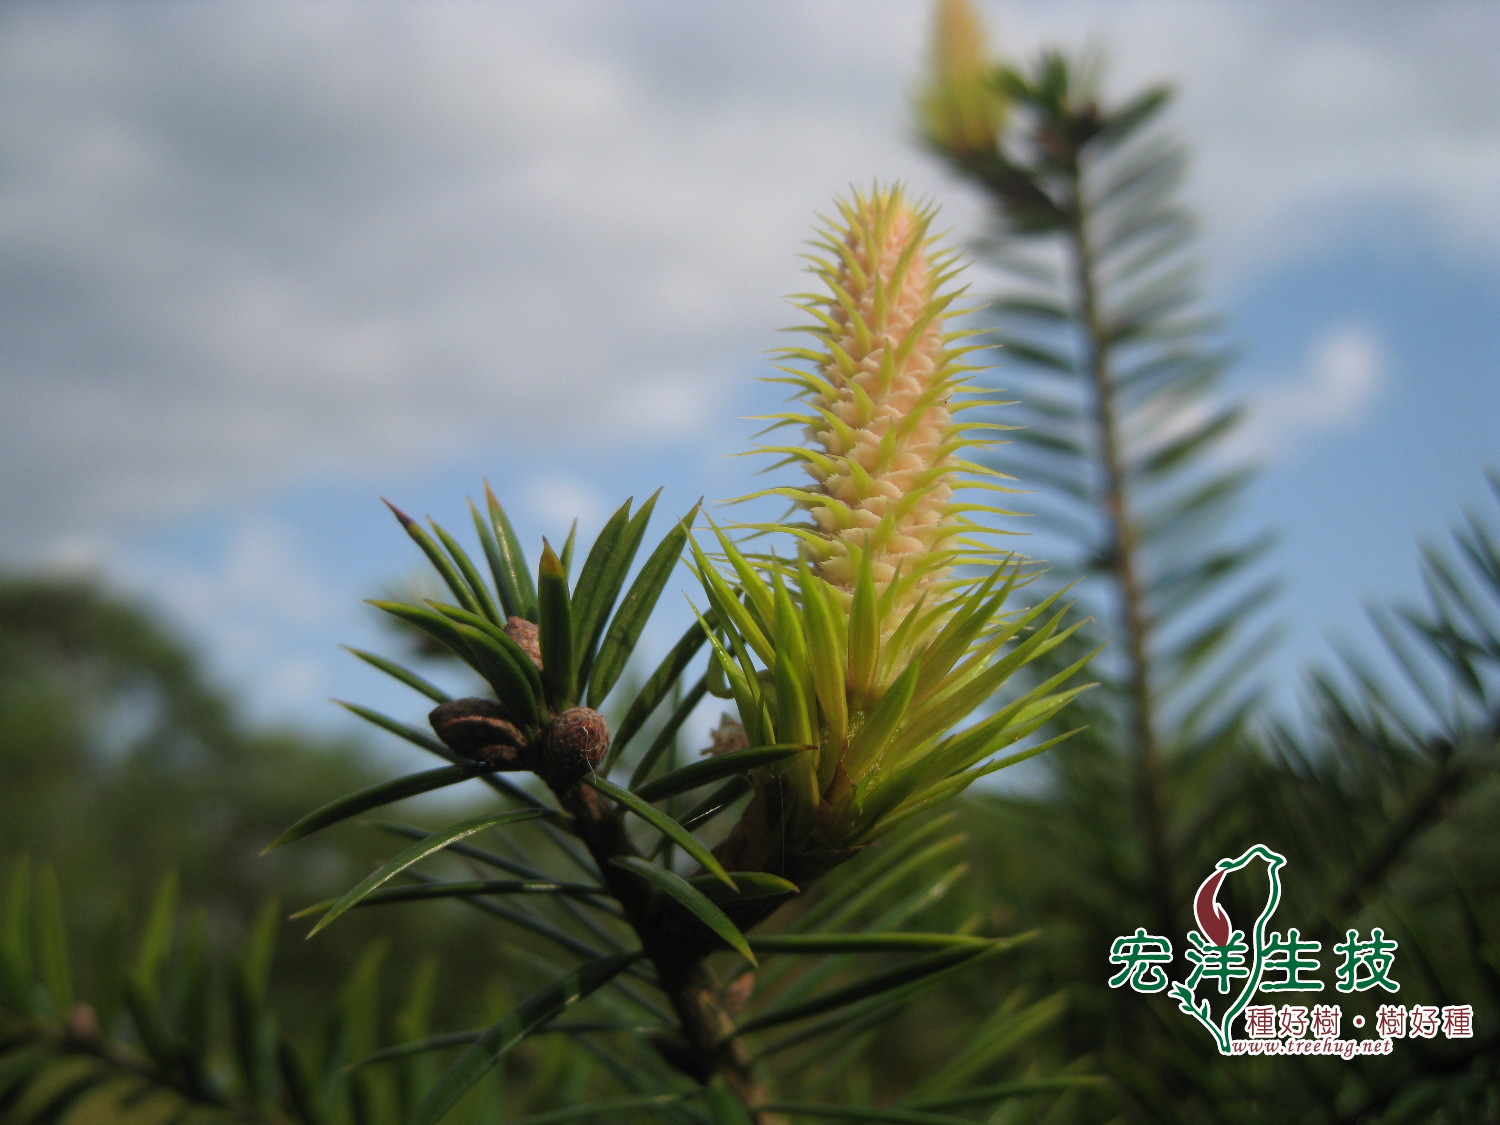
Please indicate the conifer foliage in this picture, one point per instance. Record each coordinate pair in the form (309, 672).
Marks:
(785, 927)
(1100, 337)
(851, 667)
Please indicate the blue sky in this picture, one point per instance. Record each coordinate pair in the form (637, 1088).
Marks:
(262, 265)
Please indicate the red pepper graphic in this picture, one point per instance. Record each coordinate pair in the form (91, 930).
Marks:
(1212, 919)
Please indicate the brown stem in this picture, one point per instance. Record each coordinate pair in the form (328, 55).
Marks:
(1122, 554)
(564, 753)
(711, 1045)
(708, 1047)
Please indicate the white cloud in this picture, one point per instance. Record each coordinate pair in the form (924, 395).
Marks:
(1335, 388)
(555, 501)
(259, 573)
(240, 247)
(1305, 120)
(249, 603)
(296, 682)
(1339, 383)
(258, 596)
(247, 249)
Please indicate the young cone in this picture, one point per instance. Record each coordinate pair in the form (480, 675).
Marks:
(869, 647)
(962, 108)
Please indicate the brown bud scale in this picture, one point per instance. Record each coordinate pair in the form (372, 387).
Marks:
(477, 729)
(525, 634)
(575, 742)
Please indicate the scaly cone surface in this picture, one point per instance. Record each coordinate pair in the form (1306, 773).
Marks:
(881, 425)
(962, 108)
(872, 645)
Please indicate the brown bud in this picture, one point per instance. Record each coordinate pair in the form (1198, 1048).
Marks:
(575, 742)
(524, 633)
(737, 993)
(477, 729)
(83, 1024)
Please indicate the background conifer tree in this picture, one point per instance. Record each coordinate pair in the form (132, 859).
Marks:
(1116, 372)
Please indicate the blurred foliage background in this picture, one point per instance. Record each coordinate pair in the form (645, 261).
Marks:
(120, 764)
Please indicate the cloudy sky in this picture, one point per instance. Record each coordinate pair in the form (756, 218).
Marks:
(261, 264)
